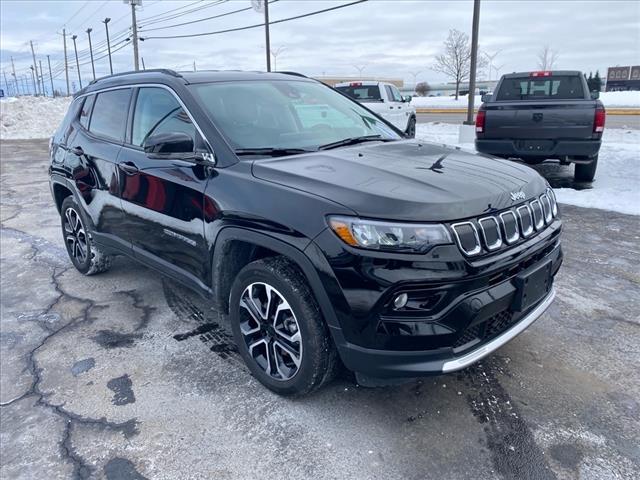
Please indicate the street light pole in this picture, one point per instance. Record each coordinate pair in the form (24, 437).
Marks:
(75, 48)
(474, 61)
(66, 63)
(93, 68)
(106, 26)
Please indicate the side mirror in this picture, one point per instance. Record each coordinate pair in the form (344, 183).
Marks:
(167, 145)
(486, 97)
(595, 94)
(406, 99)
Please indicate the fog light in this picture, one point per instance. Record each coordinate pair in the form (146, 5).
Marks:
(400, 301)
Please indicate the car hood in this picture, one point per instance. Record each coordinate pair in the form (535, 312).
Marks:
(405, 180)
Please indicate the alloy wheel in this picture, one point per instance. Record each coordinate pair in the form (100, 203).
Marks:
(75, 235)
(271, 331)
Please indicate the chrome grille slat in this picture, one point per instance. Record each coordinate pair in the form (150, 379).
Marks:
(538, 214)
(526, 231)
(546, 204)
(498, 243)
(478, 247)
(490, 233)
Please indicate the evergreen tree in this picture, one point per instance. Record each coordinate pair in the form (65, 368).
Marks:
(597, 82)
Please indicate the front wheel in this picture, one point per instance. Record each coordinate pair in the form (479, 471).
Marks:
(586, 172)
(279, 329)
(410, 132)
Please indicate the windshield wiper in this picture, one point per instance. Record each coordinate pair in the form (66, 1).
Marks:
(271, 152)
(354, 141)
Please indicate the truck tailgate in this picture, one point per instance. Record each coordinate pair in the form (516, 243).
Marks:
(540, 119)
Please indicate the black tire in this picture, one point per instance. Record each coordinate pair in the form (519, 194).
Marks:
(410, 132)
(318, 359)
(86, 256)
(586, 172)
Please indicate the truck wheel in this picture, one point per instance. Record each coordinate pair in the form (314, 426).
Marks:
(411, 128)
(86, 256)
(279, 329)
(585, 172)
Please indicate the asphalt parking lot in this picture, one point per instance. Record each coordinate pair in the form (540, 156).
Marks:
(128, 376)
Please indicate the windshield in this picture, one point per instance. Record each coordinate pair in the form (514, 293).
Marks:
(554, 87)
(281, 114)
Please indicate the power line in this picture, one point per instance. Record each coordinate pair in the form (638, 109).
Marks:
(258, 24)
(203, 19)
(144, 23)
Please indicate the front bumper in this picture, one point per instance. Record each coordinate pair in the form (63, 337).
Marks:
(529, 149)
(463, 309)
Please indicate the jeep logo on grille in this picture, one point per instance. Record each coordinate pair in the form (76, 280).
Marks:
(519, 195)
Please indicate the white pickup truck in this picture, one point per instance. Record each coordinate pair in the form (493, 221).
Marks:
(385, 100)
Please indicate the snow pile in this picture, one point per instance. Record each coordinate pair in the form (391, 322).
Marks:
(617, 183)
(620, 99)
(609, 99)
(31, 117)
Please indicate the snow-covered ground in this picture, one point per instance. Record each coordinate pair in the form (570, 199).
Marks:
(609, 99)
(616, 187)
(31, 117)
(617, 183)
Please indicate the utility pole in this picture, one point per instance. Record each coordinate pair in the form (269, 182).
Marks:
(194, 65)
(15, 79)
(474, 61)
(93, 67)
(53, 92)
(66, 64)
(106, 26)
(44, 90)
(33, 54)
(266, 33)
(75, 47)
(134, 31)
(33, 78)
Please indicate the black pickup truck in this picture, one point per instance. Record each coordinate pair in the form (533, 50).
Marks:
(537, 116)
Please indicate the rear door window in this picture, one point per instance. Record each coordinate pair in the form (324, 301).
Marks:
(109, 117)
(157, 111)
(554, 87)
(85, 113)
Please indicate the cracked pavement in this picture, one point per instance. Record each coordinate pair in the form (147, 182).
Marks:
(125, 375)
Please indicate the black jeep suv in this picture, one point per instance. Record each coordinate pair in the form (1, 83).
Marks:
(321, 231)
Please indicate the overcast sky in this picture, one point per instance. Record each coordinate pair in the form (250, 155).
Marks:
(388, 37)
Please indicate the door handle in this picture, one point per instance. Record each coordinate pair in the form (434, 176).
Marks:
(129, 168)
(77, 151)
(391, 107)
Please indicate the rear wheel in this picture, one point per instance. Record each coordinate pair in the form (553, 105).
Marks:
(86, 256)
(279, 329)
(411, 128)
(586, 172)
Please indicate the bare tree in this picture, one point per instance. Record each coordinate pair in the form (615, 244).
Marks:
(455, 61)
(547, 58)
(422, 89)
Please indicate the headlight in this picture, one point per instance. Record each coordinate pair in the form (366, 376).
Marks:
(393, 236)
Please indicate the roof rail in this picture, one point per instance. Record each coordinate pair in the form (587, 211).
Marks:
(166, 71)
(297, 74)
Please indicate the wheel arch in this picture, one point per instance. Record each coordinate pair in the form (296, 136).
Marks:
(235, 247)
(61, 189)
